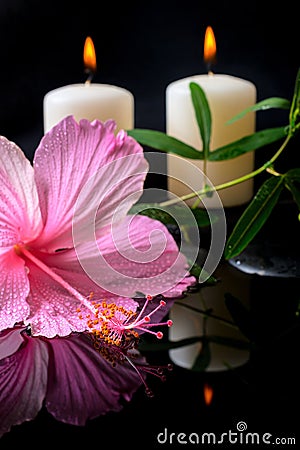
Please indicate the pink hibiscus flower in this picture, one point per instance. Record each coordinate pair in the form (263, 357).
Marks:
(66, 237)
(59, 373)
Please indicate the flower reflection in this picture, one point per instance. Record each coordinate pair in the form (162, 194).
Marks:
(76, 378)
(67, 375)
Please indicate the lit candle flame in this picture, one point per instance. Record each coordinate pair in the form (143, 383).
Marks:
(208, 394)
(210, 48)
(89, 58)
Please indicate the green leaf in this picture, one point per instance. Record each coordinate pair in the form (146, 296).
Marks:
(196, 270)
(191, 216)
(248, 144)
(240, 315)
(174, 214)
(295, 191)
(254, 216)
(161, 141)
(273, 102)
(295, 108)
(293, 174)
(153, 211)
(202, 218)
(202, 114)
(292, 180)
(203, 359)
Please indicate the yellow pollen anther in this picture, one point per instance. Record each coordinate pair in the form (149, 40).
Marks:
(17, 249)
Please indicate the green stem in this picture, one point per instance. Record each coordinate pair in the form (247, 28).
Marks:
(232, 182)
(198, 201)
(205, 166)
(281, 148)
(204, 169)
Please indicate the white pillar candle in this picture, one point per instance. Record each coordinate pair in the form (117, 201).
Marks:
(227, 96)
(89, 101)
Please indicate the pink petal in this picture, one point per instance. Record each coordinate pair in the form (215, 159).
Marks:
(85, 160)
(52, 308)
(180, 288)
(10, 341)
(66, 264)
(20, 217)
(83, 385)
(23, 381)
(54, 303)
(139, 255)
(14, 288)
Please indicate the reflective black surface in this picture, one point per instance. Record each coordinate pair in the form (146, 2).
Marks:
(263, 392)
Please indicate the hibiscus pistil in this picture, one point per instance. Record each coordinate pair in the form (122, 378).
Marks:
(22, 251)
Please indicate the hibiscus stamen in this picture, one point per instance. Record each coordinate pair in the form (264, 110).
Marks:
(115, 330)
(115, 324)
(148, 299)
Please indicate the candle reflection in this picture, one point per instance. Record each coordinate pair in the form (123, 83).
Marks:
(208, 393)
(190, 320)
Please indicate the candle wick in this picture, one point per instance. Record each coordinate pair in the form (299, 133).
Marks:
(208, 67)
(90, 76)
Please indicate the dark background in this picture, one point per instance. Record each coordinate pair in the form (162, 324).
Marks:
(143, 46)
